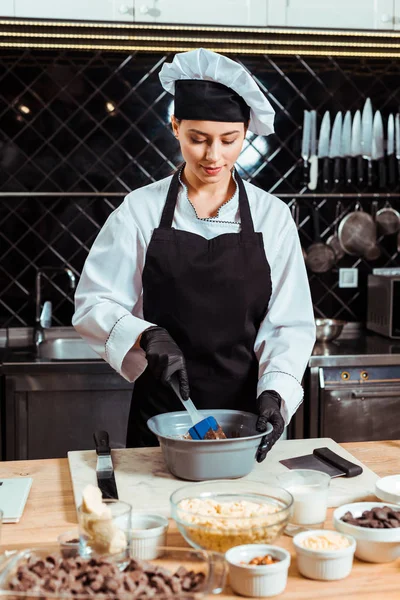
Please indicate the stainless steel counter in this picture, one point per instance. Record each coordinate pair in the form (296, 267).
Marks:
(364, 349)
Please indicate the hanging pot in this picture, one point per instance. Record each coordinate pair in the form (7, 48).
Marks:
(374, 252)
(320, 257)
(388, 219)
(333, 241)
(357, 232)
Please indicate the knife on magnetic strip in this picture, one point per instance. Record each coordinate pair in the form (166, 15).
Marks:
(105, 468)
(335, 147)
(356, 151)
(323, 148)
(346, 146)
(391, 158)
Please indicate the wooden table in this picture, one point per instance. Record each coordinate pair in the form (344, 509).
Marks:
(50, 510)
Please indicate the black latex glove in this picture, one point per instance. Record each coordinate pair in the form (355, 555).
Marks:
(164, 358)
(269, 411)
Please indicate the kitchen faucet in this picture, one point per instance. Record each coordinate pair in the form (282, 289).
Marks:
(43, 313)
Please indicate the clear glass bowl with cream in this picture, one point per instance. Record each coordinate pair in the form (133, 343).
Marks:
(218, 515)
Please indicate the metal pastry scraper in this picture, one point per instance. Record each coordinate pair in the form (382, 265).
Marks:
(325, 460)
(105, 468)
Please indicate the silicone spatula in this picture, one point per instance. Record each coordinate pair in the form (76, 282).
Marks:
(200, 425)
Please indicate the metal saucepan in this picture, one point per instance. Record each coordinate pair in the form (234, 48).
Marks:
(388, 219)
(296, 218)
(328, 329)
(320, 257)
(333, 240)
(374, 252)
(357, 232)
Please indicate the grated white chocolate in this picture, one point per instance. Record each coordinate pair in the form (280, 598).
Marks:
(327, 541)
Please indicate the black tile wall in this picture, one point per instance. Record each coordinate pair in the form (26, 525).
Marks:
(98, 122)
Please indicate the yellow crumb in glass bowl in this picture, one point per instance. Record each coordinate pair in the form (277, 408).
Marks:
(219, 526)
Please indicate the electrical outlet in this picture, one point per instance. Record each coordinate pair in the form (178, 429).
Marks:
(348, 278)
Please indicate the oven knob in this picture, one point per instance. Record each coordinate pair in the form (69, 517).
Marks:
(345, 375)
(364, 375)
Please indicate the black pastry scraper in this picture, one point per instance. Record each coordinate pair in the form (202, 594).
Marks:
(325, 460)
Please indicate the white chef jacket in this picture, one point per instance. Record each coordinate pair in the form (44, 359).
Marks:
(109, 296)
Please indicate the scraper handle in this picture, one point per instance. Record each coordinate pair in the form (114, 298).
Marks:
(102, 442)
(349, 469)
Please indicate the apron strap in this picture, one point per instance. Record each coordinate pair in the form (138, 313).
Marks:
(246, 220)
(170, 203)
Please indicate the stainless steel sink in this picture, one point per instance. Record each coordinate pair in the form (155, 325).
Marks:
(66, 349)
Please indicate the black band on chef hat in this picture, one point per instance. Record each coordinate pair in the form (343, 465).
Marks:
(201, 100)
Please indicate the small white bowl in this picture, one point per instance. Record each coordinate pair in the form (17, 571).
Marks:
(373, 545)
(259, 581)
(387, 489)
(324, 565)
(149, 531)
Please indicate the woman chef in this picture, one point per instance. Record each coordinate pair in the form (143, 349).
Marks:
(200, 274)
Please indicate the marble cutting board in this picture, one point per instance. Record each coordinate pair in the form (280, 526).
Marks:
(144, 481)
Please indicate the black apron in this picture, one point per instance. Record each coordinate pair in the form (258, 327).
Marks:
(211, 296)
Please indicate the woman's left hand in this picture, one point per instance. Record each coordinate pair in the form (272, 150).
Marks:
(269, 410)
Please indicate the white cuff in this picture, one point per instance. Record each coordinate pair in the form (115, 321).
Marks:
(287, 387)
(130, 362)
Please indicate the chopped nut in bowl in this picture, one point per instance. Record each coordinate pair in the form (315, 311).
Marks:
(258, 570)
(218, 515)
(44, 573)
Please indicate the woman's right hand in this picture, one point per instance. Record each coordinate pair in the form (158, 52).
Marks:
(165, 358)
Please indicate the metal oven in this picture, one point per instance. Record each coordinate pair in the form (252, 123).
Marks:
(355, 403)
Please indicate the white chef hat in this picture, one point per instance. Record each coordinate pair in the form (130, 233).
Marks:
(210, 87)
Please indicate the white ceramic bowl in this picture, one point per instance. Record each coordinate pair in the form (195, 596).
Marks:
(325, 565)
(149, 531)
(387, 489)
(373, 545)
(260, 581)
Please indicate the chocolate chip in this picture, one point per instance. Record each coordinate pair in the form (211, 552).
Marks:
(379, 517)
(76, 576)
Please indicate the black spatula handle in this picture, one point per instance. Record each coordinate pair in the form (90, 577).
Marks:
(102, 442)
(350, 469)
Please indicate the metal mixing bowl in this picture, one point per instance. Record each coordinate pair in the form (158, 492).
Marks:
(199, 460)
(328, 329)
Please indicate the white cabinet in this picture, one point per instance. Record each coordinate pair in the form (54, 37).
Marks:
(6, 8)
(203, 12)
(80, 10)
(337, 14)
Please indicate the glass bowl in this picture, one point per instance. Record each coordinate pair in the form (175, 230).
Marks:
(218, 515)
(211, 564)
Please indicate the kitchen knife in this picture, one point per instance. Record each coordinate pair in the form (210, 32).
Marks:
(104, 468)
(397, 138)
(378, 152)
(366, 136)
(305, 144)
(390, 151)
(335, 146)
(323, 147)
(346, 146)
(325, 460)
(356, 146)
(312, 184)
